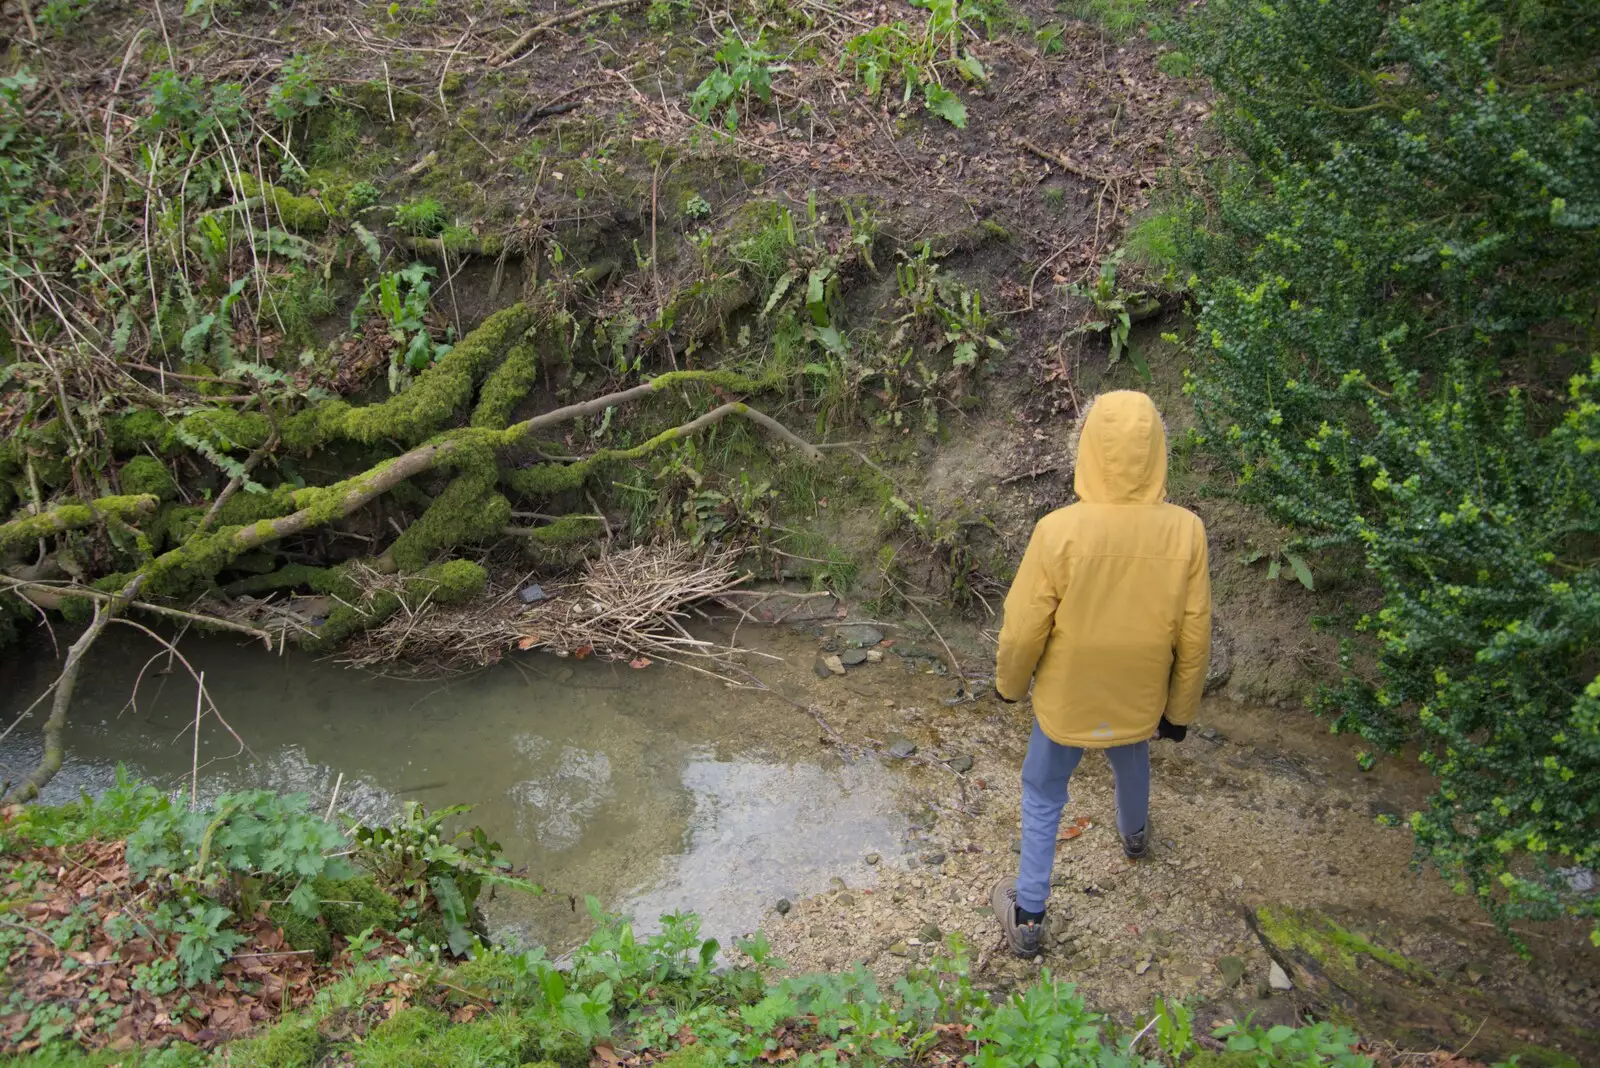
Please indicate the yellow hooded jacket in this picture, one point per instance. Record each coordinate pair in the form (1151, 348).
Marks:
(1111, 608)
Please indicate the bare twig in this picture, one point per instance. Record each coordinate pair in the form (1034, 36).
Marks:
(514, 49)
(50, 762)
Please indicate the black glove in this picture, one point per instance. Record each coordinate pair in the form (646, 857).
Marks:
(1171, 731)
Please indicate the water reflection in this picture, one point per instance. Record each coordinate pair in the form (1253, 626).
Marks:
(651, 790)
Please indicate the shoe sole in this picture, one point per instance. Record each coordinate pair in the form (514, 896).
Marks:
(1001, 904)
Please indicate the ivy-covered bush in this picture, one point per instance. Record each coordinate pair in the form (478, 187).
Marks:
(1398, 277)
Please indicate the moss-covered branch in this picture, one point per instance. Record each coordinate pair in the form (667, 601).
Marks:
(24, 531)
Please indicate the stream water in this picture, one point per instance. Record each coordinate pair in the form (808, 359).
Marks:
(654, 790)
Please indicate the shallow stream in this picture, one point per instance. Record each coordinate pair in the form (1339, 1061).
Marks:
(654, 790)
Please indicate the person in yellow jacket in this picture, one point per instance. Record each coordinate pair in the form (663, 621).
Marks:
(1110, 617)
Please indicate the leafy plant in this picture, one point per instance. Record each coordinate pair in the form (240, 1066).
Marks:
(433, 868)
(296, 91)
(742, 71)
(898, 54)
(204, 946)
(402, 298)
(1389, 296)
(1277, 558)
(1116, 307)
(247, 847)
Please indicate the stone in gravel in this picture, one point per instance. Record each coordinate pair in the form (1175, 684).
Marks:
(1142, 967)
(834, 665)
(933, 860)
(853, 657)
(846, 901)
(1232, 969)
(875, 656)
(961, 763)
(929, 932)
(820, 668)
(872, 858)
(532, 594)
(901, 747)
(1016, 846)
(899, 949)
(783, 906)
(858, 635)
(1277, 978)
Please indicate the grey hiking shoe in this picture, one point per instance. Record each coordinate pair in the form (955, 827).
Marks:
(1023, 938)
(1136, 846)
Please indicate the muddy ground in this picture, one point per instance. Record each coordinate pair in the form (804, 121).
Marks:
(1258, 807)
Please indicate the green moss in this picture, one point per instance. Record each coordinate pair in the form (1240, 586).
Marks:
(131, 432)
(696, 1056)
(467, 511)
(294, 1043)
(505, 388)
(148, 475)
(442, 389)
(423, 1038)
(227, 429)
(452, 582)
(28, 529)
(289, 576)
(245, 507)
(1319, 937)
(353, 905)
(568, 530)
(302, 215)
(301, 932)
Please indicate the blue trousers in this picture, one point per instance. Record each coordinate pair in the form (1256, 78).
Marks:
(1045, 772)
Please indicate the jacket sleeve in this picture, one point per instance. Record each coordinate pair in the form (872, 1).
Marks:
(1030, 616)
(1193, 652)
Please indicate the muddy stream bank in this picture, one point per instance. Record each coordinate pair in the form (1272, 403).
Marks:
(658, 790)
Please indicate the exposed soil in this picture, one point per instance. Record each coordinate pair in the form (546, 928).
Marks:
(1259, 807)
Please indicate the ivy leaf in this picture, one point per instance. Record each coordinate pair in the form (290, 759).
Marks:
(1301, 571)
(945, 104)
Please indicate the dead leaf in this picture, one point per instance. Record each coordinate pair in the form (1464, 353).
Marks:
(527, 642)
(1078, 826)
(639, 663)
(583, 652)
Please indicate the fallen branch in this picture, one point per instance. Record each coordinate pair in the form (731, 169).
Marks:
(67, 517)
(514, 49)
(353, 493)
(50, 762)
(1068, 165)
(235, 482)
(42, 595)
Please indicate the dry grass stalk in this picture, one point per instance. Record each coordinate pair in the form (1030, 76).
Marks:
(627, 605)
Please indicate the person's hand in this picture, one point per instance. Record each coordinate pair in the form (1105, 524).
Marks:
(1173, 731)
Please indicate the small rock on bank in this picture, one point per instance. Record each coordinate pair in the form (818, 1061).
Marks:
(1277, 978)
(859, 635)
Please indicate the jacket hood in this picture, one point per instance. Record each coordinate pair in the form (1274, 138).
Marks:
(1122, 451)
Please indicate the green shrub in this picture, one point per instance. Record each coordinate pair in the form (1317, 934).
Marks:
(1397, 278)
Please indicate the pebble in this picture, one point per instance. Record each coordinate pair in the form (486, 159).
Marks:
(961, 763)
(899, 949)
(872, 858)
(859, 635)
(845, 900)
(834, 665)
(899, 747)
(820, 668)
(930, 932)
(532, 594)
(875, 656)
(932, 860)
(853, 657)
(1232, 969)
(1142, 967)
(1277, 978)
(783, 906)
